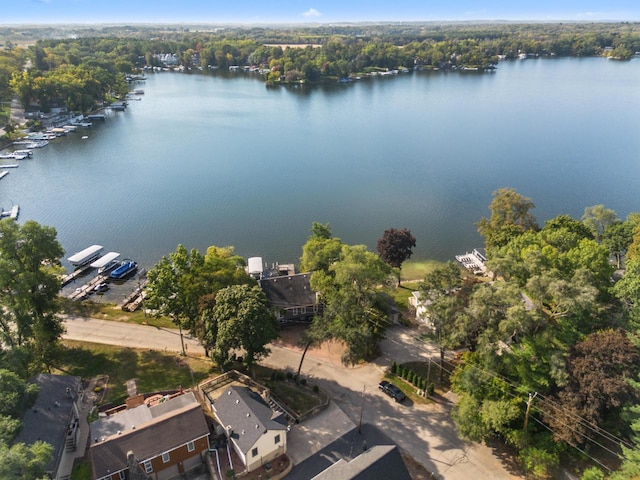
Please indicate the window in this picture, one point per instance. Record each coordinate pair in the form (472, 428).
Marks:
(148, 468)
(166, 457)
(121, 475)
(254, 452)
(303, 310)
(277, 439)
(191, 446)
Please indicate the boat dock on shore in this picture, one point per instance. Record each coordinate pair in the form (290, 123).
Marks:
(67, 279)
(13, 213)
(85, 256)
(82, 292)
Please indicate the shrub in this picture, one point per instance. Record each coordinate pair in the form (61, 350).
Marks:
(303, 382)
(431, 389)
(315, 389)
(289, 375)
(394, 368)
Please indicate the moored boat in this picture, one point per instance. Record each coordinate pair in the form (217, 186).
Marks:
(126, 267)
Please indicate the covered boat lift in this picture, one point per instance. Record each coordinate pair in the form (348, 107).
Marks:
(85, 256)
(106, 262)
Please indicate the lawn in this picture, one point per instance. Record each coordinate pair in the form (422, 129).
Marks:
(109, 311)
(414, 270)
(153, 370)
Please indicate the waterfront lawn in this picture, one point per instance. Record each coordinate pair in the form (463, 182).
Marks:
(154, 370)
(414, 270)
(110, 311)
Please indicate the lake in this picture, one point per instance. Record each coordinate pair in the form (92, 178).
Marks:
(220, 159)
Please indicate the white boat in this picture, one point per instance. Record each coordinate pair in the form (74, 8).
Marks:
(23, 152)
(85, 256)
(4, 173)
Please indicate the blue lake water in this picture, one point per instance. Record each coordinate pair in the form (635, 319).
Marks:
(220, 159)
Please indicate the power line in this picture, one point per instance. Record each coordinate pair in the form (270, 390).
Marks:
(574, 446)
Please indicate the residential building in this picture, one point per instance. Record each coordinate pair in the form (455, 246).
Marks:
(168, 436)
(54, 418)
(379, 461)
(257, 433)
(291, 297)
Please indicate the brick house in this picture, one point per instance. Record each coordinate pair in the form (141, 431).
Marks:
(167, 437)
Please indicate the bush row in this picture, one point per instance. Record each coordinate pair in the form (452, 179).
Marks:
(413, 378)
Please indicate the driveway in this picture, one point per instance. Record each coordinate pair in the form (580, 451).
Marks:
(425, 432)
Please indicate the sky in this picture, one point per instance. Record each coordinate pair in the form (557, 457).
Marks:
(311, 11)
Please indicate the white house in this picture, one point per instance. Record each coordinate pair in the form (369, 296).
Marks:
(257, 433)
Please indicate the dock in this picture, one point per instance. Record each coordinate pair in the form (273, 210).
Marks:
(97, 116)
(85, 256)
(4, 173)
(13, 213)
(12, 165)
(135, 299)
(82, 292)
(67, 279)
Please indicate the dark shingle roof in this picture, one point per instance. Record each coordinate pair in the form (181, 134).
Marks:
(159, 434)
(379, 461)
(288, 291)
(49, 418)
(248, 416)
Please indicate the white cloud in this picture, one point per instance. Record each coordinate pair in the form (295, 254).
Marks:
(312, 12)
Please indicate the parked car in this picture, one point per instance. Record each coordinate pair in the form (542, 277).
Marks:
(391, 390)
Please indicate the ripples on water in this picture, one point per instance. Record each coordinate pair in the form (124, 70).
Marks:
(223, 160)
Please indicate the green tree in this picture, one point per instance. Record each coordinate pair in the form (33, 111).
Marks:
(440, 291)
(395, 247)
(175, 288)
(244, 321)
(510, 216)
(21, 462)
(597, 218)
(355, 310)
(29, 286)
(617, 237)
(321, 249)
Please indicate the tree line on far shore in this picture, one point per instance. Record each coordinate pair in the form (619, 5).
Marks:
(82, 72)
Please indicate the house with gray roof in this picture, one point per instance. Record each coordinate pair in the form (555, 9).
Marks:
(54, 418)
(291, 297)
(379, 461)
(257, 433)
(167, 438)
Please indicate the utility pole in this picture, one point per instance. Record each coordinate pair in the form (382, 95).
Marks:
(526, 422)
(526, 414)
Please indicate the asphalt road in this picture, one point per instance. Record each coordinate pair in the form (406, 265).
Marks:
(426, 432)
